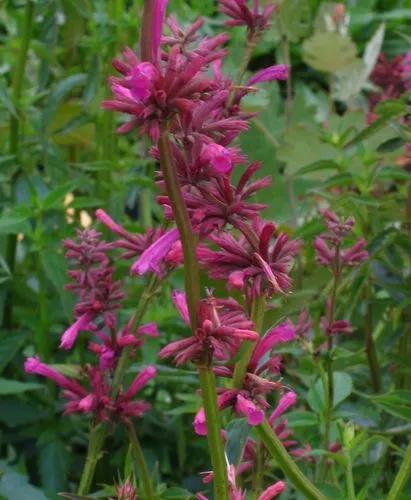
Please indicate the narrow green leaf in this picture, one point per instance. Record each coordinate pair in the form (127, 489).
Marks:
(5, 99)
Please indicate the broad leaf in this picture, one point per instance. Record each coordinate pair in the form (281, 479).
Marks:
(329, 52)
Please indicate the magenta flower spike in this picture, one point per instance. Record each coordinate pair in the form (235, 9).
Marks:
(140, 381)
(152, 28)
(156, 253)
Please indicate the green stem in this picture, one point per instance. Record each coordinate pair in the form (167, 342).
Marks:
(247, 347)
(138, 455)
(286, 463)
(349, 478)
(137, 319)
(96, 440)
(215, 443)
(14, 144)
(192, 288)
(402, 477)
(188, 239)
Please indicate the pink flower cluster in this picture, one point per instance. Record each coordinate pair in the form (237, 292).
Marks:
(100, 297)
(331, 253)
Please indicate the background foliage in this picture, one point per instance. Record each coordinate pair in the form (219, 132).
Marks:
(65, 160)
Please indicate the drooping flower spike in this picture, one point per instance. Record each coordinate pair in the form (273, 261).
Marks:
(96, 399)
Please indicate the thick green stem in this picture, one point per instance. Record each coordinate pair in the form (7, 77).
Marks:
(286, 463)
(14, 143)
(138, 455)
(215, 442)
(188, 239)
(247, 347)
(96, 440)
(402, 477)
(192, 288)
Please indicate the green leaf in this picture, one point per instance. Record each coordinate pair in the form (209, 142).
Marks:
(295, 18)
(5, 99)
(53, 462)
(329, 52)
(238, 431)
(15, 486)
(398, 403)
(15, 412)
(55, 198)
(351, 80)
(16, 387)
(342, 389)
(318, 166)
(15, 221)
(391, 145)
(59, 92)
(387, 114)
(301, 419)
(393, 173)
(10, 343)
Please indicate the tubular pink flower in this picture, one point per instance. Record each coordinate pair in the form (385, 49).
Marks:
(219, 157)
(34, 365)
(277, 72)
(199, 423)
(289, 399)
(272, 491)
(152, 257)
(149, 329)
(280, 334)
(180, 302)
(140, 381)
(87, 403)
(70, 335)
(323, 254)
(355, 255)
(140, 81)
(103, 217)
(244, 406)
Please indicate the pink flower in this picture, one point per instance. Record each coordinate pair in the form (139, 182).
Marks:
(35, 366)
(256, 18)
(199, 423)
(272, 491)
(222, 326)
(287, 400)
(155, 254)
(180, 303)
(254, 415)
(323, 254)
(126, 491)
(280, 334)
(70, 335)
(251, 262)
(219, 157)
(277, 72)
(355, 255)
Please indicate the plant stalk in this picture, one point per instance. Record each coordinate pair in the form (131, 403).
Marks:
(247, 347)
(192, 288)
(138, 455)
(14, 146)
(96, 440)
(137, 319)
(188, 238)
(286, 463)
(215, 443)
(402, 477)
